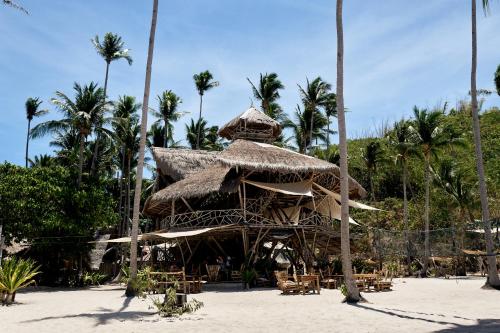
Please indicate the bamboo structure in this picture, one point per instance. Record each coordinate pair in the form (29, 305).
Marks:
(252, 192)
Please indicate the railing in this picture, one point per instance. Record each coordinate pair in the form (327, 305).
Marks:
(212, 218)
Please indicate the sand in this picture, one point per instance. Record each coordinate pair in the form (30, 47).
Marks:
(415, 305)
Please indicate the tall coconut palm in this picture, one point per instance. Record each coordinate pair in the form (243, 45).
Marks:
(110, 49)
(330, 111)
(131, 286)
(352, 291)
(126, 132)
(400, 139)
(167, 111)
(493, 278)
(428, 133)
(32, 105)
(372, 155)
(196, 132)
(314, 95)
(301, 127)
(268, 93)
(203, 82)
(82, 115)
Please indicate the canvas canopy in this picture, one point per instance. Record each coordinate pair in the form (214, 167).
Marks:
(162, 235)
(303, 188)
(328, 206)
(352, 203)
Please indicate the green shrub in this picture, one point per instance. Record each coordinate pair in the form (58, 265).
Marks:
(343, 289)
(93, 278)
(169, 307)
(16, 274)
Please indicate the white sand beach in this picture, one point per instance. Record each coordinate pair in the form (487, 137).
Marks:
(415, 305)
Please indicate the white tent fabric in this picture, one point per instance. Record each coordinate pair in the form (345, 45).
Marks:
(329, 207)
(352, 203)
(178, 234)
(303, 188)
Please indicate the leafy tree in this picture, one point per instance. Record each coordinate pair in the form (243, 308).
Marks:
(81, 115)
(372, 156)
(267, 93)
(203, 82)
(32, 111)
(428, 133)
(44, 160)
(314, 95)
(400, 139)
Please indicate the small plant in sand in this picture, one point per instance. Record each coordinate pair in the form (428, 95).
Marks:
(171, 307)
(343, 289)
(93, 278)
(141, 283)
(248, 276)
(16, 274)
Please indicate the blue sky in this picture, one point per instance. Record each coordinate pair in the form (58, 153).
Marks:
(397, 54)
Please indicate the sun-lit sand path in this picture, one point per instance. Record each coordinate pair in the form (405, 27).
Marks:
(430, 305)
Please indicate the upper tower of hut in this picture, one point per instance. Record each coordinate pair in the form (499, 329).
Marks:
(252, 125)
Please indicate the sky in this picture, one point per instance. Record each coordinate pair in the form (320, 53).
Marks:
(397, 54)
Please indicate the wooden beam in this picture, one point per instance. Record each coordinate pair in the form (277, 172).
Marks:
(194, 251)
(187, 204)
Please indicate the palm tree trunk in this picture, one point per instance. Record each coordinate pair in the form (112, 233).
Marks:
(120, 231)
(127, 208)
(80, 158)
(131, 291)
(199, 127)
(370, 174)
(352, 291)
(311, 129)
(165, 133)
(493, 279)
(98, 137)
(327, 133)
(427, 249)
(405, 217)
(28, 141)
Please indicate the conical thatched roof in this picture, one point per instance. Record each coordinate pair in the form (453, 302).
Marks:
(253, 125)
(179, 163)
(265, 157)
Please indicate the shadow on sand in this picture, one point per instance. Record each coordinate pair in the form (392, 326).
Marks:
(102, 315)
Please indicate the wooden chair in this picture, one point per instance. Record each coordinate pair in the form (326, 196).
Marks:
(383, 284)
(309, 283)
(285, 285)
(213, 272)
(328, 281)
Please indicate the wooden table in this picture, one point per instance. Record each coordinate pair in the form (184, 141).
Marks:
(308, 280)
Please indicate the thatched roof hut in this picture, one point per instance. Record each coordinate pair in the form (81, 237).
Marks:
(178, 163)
(251, 124)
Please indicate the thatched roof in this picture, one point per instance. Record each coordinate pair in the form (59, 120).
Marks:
(179, 163)
(196, 185)
(265, 157)
(251, 124)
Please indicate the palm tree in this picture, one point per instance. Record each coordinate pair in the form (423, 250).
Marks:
(32, 111)
(131, 289)
(301, 127)
(372, 155)
(126, 133)
(330, 111)
(168, 103)
(493, 278)
(196, 133)
(111, 49)
(43, 161)
(352, 291)
(14, 5)
(204, 82)
(452, 180)
(401, 141)
(497, 80)
(313, 96)
(82, 115)
(428, 133)
(268, 93)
